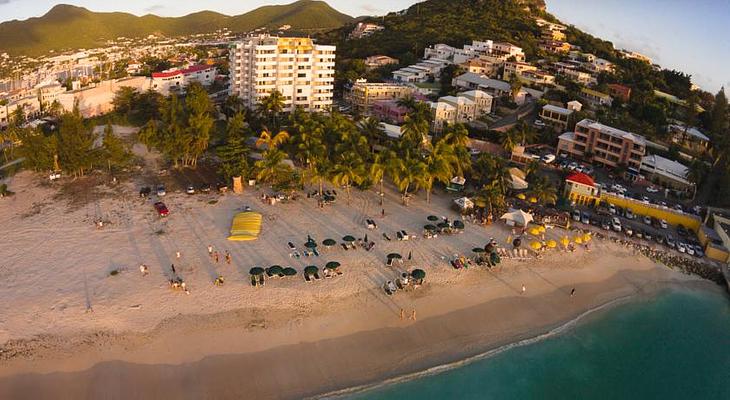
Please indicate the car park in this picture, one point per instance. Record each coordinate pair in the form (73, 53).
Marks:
(161, 190)
(161, 209)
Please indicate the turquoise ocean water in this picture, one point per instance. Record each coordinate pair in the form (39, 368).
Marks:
(674, 346)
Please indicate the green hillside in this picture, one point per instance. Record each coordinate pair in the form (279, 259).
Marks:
(68, 27)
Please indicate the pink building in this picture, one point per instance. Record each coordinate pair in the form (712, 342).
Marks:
(389, 111)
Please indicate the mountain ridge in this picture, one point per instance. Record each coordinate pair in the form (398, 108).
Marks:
(66, 27)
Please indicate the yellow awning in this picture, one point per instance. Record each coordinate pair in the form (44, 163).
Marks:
(245, 226)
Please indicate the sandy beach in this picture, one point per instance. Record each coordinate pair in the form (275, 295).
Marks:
(70, 330)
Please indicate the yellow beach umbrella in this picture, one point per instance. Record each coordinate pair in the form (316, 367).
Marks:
(578, 240)
(509, 239)
(521, 196)
(535, 231)
(565, 241)
(541, 228)
(587, 237)
(533, 199)
(536, 245)
(552, 244)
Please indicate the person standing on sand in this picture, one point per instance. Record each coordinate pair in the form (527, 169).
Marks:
(228, 257)
(172, 267)
(210, 249)
(572, 292)
(177, 254)
(413, 314)
(524, 289)
(215, 256)
(144, 270)
(402, 314)
(382, 212)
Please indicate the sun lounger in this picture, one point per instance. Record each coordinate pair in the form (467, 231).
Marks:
(385, 235)
(262, 280)
(315, 252)
(296, 254)
(399, 235)
(390, 288)
(316, 276)
(254, 282)
(291, 246)
(405, 235)
(344, 246)
(307, 278)
(389, 263)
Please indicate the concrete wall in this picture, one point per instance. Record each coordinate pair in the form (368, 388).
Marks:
(691, 222)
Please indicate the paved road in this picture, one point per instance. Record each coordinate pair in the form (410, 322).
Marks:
(508, 121)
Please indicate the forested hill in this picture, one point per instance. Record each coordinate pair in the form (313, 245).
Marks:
(67, 27)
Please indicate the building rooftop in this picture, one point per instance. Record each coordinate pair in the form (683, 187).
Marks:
(638, 139)
(665, 166)
(556, 109)
(692, 131)
(583, 179)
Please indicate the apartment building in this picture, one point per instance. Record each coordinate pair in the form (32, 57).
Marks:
(389, 111)
(458, 56)
(365, 29)
(97, 99)
(463, 108)
(596, 98)
(516, 68)
(378, 61)
(605, 145)
(177, 79)
(421, 72)
(635, 55)
(554, 46)
(666, 172)
(556, 117)
(572, 71)
(364, 94)
(481, 66)
(509, 50)
(494, 87)
(301, 70)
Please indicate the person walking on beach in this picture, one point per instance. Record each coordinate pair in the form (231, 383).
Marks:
(172, 267)
(524, 289)
(177, 254)
(572, 292)
(210, 250)
(215, 256)
(402, 314)
(413, 314)
(228, 257)
(144, 270)
(382, 212)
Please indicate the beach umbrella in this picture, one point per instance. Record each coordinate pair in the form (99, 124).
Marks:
(536, 245)
(516, 243)
(289, 271)
(432, 218)
(458, 224)
(565, 241)
(509, 239)
(533, 200)
(310, 245)
(275, 270)
(410, 255)
(332, 265)
(494, 258)
(256, 271)
(578, 240)
(429, 227)
(311, 270)
(394, 256)
(521, 196)
(418, 274)
(442, 225)
(552, 244)
(349, 238)
(586, 237)
(535, 231)
(329, 242)
(478, 250)
(541, 228)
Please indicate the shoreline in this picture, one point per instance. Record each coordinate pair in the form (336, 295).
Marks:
(463, 342)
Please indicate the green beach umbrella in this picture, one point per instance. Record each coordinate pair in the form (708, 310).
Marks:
(256, 271)
(276, 270)
(395, 255)
(432, 218)
(332, 265)
(310, 245)
(418, 274)
(429, 227)
(312, 269)
(494, 258)
(349, 238)
(329, 242)
(458, 224)
(478, 250)
(289, 271)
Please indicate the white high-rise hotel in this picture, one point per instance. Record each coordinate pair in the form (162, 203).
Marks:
(304, 72)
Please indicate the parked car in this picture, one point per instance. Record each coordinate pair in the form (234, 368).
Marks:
(576, 215)
(669, 240)
(588, 170)
(647, 220)
(628, 231)
(698, 251)
(222, 187)
(647, 235)
(572, 166)
(612, 209)
(681, 231)
(161, 209)
(205, 188)
(539, 123)
(639, 234)
(616, 224)
(585, 218)
(690, 249)
(681, 248)
(652, 189)
(663, 224)
(645, 199)
(629, 214)
(145, 191)
(54, 175)
(190, 189)
(161, 190)
(605, 224)
(548, 158)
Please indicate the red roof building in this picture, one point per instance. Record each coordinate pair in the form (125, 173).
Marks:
(579, 177)
(581, 189)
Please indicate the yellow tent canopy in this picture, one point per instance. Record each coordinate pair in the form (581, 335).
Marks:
(578, 240)
(245, 226)
(534, 231)
(565, 241)
(541, 228)
(536, 245)
(586, 237)
(552, 244)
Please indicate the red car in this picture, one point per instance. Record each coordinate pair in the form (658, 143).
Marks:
(161, 209)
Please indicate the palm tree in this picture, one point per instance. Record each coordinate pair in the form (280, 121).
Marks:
(526, 134)
(414, 131)
(271, 166)
(490, 196)
(543, 190)
(272, 141)
(349, 169)
(490, 168)
(509, 139)
(383, 163)
(408, 172)
(272, 105)
(438, 161)
(370, 128)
